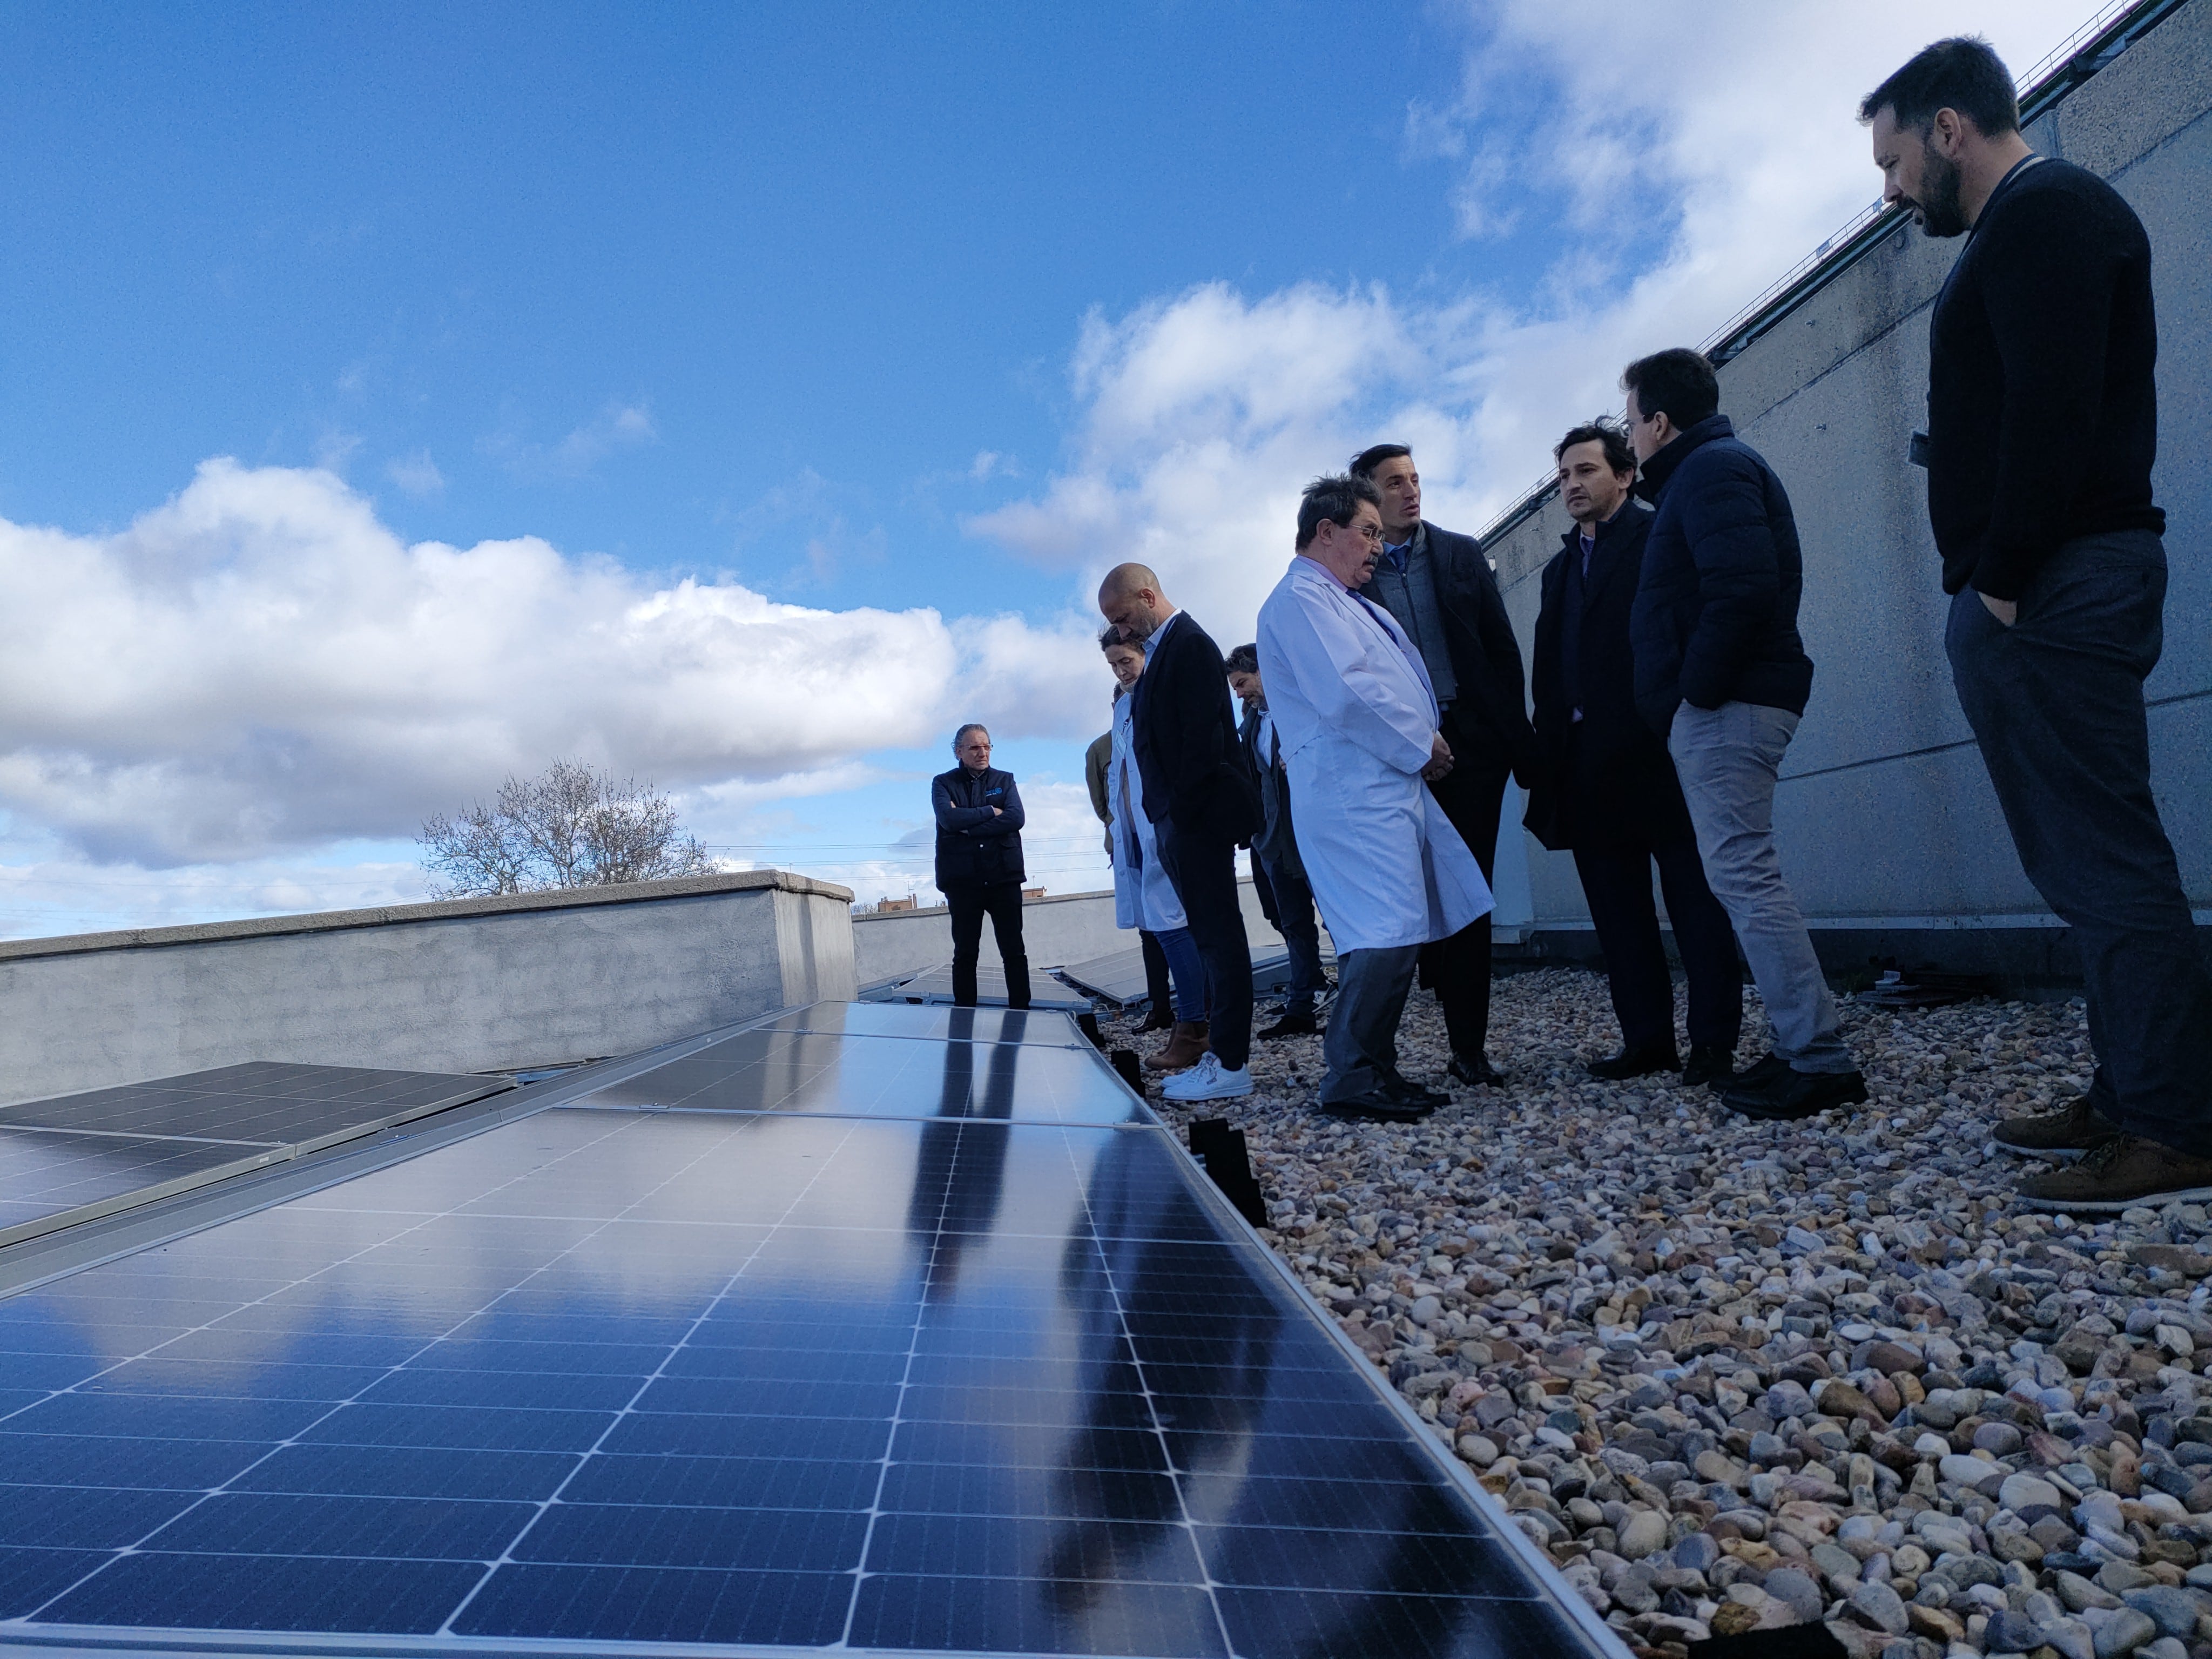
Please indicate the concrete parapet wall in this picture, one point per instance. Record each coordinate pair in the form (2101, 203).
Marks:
(1885, 817)
(1063, 928)
(470, 985)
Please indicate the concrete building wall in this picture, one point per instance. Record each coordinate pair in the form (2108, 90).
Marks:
(1057, 931)
(472, 984)
(1888, 825)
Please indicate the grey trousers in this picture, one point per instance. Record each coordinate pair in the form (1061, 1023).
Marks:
(1726, 758)
(1361, 1044)
(2057, 702)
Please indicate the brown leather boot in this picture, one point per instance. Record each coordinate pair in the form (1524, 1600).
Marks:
(1182, 1048)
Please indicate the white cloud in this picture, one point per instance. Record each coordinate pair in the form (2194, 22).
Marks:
(261, 664)
(619, 426)
(416, 474)
(1664, 181)
(46, 888)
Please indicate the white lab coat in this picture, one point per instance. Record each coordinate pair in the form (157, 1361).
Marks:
(1353, 705)
(1142, 895)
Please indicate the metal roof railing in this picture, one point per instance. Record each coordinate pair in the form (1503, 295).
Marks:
(2110, 31)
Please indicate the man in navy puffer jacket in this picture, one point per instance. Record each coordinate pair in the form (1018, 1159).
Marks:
(1721, 674)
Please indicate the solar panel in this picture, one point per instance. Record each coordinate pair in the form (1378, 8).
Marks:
(925, 1381)
(76, 1158)
(929, 1022)
(47, 1173)
(935, 986)
(263, 1101)
(777, 1070)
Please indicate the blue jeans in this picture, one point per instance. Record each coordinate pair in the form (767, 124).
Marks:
(2057, 702)
(1187, 969)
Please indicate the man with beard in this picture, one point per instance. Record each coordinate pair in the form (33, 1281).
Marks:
(2042, 428)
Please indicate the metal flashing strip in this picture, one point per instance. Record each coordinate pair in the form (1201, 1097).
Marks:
(699, 1384)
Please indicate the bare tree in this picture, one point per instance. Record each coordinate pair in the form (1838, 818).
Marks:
(573, 825)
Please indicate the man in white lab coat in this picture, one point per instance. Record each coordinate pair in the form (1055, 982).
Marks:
(1358, 721)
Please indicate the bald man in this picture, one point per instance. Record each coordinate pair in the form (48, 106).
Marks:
(1201, 797)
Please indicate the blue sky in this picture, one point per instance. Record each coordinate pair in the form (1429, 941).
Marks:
(398, 395)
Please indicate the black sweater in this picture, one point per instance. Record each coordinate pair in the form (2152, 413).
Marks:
(2042, 412)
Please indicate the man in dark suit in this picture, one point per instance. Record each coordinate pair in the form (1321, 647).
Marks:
(1606, 788)
(1440, 588)
(1202, 799)
(1278, 876)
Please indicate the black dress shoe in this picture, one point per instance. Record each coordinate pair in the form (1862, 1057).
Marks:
(1640, 1061)
(1377, 1105)
(1403, 1089)
(1297, 1024)
(1760, 1072)
(1710, 1064)
(1159, 1019)
(1793, 1095)
(1475, 1071)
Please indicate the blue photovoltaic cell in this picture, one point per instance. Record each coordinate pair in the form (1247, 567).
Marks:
(938, 1379)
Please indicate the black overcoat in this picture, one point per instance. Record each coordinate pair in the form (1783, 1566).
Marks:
(1605, 782)
(1493, 704)
(1191, 766)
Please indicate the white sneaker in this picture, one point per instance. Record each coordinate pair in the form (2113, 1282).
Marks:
(1209, 1080)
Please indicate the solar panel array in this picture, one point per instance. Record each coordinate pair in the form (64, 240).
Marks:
(905, 1343)
(76, 1157)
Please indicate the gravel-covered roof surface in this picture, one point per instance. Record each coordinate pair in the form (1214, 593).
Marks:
(1736, 1376)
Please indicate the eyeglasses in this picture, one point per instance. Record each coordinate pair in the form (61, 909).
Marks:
(1371, 533)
